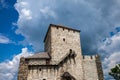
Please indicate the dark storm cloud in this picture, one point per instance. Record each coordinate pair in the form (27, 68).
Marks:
(92, 18)
(95, 19)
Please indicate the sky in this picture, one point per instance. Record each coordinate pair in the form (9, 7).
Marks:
(24, 23)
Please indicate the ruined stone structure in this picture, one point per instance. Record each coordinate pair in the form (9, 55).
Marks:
(62, 59)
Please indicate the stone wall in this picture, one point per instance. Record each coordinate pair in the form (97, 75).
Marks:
(99, 68)
(54, 72)
(92, 68)
(37, 62)
(62, 40)
(23, 69)
(89, 66)
(47, 42)
(42, 72)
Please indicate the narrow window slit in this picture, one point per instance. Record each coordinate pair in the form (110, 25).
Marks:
(39, 69)
(63, 39)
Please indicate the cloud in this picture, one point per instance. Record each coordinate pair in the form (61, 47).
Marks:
(95, 19)
(111, 48)
(24, 12)
(4, 39)
(9, 68)
(110, 62)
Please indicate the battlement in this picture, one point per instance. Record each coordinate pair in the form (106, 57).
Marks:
(64, 27)
(90, 57)
(59, 27)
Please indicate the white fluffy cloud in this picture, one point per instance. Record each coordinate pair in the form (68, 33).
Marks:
(4, 39)
(9, 68)
(24, 12)
(111, 48)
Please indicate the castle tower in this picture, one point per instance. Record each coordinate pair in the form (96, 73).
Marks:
(62, 59)
(60, 40)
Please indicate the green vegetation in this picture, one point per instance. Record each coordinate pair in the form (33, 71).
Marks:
(115, 72)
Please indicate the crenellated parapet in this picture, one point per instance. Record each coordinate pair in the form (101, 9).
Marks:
(89, 57)
(92, 67)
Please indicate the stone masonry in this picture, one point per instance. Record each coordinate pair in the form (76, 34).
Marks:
(62, 59)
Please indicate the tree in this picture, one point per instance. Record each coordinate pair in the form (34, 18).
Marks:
(115, 72)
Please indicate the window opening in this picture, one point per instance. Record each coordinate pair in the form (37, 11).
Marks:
(63, 39)
(70, 50)
(91, 57)
(39, 69)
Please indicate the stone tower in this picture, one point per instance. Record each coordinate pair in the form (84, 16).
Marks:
(62, 59)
